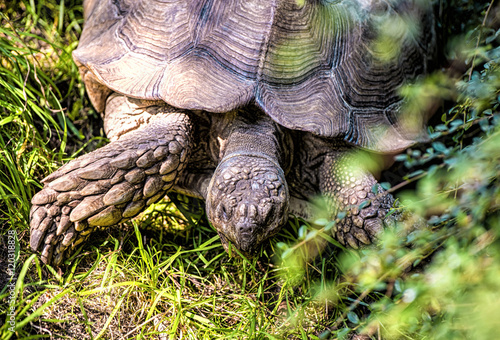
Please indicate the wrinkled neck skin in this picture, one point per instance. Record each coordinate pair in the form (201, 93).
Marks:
(247, 198)
(254, 133)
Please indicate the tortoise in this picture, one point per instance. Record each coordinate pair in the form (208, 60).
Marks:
(255, 106)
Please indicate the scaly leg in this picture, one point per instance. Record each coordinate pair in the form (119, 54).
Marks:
(345, 180)
(109, 185)
(347, 186)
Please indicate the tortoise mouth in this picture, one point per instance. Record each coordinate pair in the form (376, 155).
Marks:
(247, 249)
(247, 232)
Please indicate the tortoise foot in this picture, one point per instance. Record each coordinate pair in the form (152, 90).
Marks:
(366, 216)
(349, 186)
(107, 186)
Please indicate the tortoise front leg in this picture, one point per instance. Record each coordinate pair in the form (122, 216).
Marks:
(109, 185)
(347, 184)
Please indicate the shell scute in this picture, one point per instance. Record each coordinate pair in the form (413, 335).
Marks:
(314, 67)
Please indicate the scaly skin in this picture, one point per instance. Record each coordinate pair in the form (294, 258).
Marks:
(247, 195)
(248, 201)
(344, 179)
(110, 185)
(346, 188)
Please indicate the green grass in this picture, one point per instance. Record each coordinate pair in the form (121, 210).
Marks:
(434, 276)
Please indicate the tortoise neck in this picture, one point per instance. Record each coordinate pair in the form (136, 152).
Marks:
(255, 134)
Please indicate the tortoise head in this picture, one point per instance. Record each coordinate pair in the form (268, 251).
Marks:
(247, 201)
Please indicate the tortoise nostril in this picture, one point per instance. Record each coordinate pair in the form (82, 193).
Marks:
(246, 228)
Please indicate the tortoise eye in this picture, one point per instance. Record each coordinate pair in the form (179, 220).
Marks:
(269, 214)
(225, 213)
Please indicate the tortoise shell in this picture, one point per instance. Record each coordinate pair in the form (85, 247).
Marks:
(310, 65)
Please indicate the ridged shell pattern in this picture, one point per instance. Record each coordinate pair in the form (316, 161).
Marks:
(310, 65)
